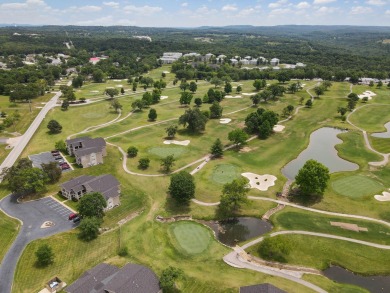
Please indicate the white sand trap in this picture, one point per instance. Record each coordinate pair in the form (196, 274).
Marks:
(43, 103)
(13, 141)
(261, 182)
(117, 80)
(303, 85)
(225, 120)
(110, 87)
(166, 72)
(368, 94)
(248, 94)
(279, 128)
(385, 196)
(184, 142)
(95, 92)
(233, 97)
(39, 107)
(119, 85)
(163, 97)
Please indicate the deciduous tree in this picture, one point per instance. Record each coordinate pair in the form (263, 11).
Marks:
(92, 205)
(234, 195)
(44, 255)
(182, 187)
(312, 178)
(54, 127)
(217, 149)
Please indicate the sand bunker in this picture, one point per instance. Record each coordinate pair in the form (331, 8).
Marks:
(117, 80)
(225, 120)
(348, 226)
(110, 87)
(279, 128)
(385, 196)
(166, 72)
(184, 142)
(261, 182)
(368, 94)
(95, 92)
(39, 107)
(233, 97)
(249, 94)
(13, 141)
(163, 97)
(119, 85)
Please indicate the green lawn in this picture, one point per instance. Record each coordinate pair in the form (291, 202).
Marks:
(225, 173)
(320, 253)
(9, 229)
(357, 186)
(192, 238)
(372, 118)
(382, 145)
(293, 219)
(162, 152)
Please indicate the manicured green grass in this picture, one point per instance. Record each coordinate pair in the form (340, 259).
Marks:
(320, 253)
(191, 237)
(9, 229)
(293, 219)
(225, 173)
(357, 186)
(382, 145)
(372, 118)
(162, 152)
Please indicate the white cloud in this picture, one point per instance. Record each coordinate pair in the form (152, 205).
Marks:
(229, 7)
(204, 10)
(360, 10)
(376, 2)
(249, 11)
(185, 4)
(111, 4)
(319, 2)
(142, 10)
(279, 11)
(89, 8)
(277, 4)
(326, 10)
(303, 5)
(387, 12)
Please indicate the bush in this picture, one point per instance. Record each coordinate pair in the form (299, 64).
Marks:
(89, 228)
(123, 251)
(132, 152)
(45, 255)
(274, 249)
(143, 163)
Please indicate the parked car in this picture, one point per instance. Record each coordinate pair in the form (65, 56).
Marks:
(58, 158)
(77, 219)
(72, 216)
(61, 161)
(55, 151)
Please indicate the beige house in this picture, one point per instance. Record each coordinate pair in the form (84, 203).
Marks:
(107, 185)
(87, 151)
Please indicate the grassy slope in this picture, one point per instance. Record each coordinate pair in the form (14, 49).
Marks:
(9, 228)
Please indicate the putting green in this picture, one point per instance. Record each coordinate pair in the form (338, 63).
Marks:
(192, 238)
(357, 186)
(225, 173)
(166, 151)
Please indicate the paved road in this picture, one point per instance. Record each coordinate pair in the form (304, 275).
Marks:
(18, 149)
(32, 214)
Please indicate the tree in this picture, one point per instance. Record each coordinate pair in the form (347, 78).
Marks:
(194, 120)
(115, 105)
(380, 84)
(44, 255)
(152, 114)
(239, 89)
(216, 81)
(184, 85)
(98, 75)
(65, 105)
(77, 81)
(301, 100)
(198, 102)
(353, 97)
(256, 99)
(365, 99)
(319, 90)
(238, 137)
(156, 96)
(309, 103)
(54, 127)
(167, 163)
(185, 98)
(342, 110)
(61, 146)
(228, 87)
(122, 91)
(193, 86)
(217, 149)
(147, 81)
(168, 278)
(171, 131)
(273, 248)
(292, 88)
(265, 130)
(266, 95)
(216, 110)
(147, 98)
(182, 187)
(89, 228)
(371, 84)
(234, 195)
(312, 178)
(111, 92)
(351, 105)
(132, 152)
(143, 163)
(92, 205)
(138, 104)
(135, 85)
(259, 84)
(53, 171)
(283, 76)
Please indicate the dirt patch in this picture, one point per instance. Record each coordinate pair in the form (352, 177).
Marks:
(129, 218)
(348, 226)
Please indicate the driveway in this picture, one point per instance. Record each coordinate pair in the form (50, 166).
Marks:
(33, 214)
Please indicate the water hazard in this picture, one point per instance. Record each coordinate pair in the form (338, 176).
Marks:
(383, 134)
(322, 149)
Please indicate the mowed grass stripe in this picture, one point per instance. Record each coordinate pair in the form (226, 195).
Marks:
(192, 237)
(357, 186)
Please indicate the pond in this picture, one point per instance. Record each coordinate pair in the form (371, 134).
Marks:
(322, 149)
(383, 134)
(233, 231)
(375, 284)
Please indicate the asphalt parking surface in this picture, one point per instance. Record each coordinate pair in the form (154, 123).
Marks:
(33, 214)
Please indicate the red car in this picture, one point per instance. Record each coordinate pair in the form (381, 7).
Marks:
(72, 216)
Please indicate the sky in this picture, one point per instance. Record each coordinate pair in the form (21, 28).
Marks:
(194, 13)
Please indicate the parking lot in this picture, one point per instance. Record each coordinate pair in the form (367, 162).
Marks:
(48, 157)
(61, 210)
